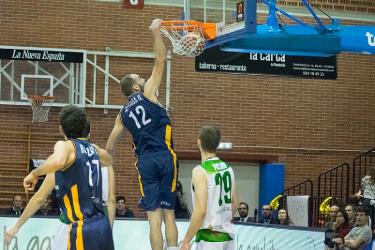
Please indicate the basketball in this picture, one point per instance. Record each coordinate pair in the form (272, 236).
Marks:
(192, 43)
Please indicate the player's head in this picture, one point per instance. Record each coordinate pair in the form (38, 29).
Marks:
(73, 121)
(132, 83)
(209, 139)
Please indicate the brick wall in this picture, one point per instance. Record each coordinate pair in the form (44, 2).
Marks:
(280, 112)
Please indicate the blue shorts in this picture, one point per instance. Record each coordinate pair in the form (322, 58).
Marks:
(92, 234)
(157, 175)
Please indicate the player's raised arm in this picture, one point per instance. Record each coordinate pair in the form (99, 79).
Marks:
(106, 160)
(33, 206)
(62, 156)
(199, 178)
(111, 195)
(116, 133)
(160, 51)
(235, 200)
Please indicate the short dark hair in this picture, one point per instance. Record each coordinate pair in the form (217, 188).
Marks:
(244, 203)
(73, 121)
(126, 84)
(120, 198)
(210, 138)
(362, 209)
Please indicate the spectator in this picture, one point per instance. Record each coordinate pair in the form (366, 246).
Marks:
(351, 210)
(341, 226)
(267, 217)
(17, 208)
(368, 186)
(121, 209)
(335, 243)
(332, 216)
(361, 235)
(181, 209)
(243, 211)
(283, 218)
(44, 209)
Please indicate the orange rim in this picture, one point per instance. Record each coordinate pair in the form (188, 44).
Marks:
(39, 98)
(208, 29)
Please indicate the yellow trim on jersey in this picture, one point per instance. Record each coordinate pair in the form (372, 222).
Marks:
(76, 206)
(139, 179)
(70, 230)
(168, 137)
(68, 208)
(79, 239)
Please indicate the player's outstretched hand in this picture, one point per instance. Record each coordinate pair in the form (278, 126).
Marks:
(9, 234)
(30, 181)
(155, 25)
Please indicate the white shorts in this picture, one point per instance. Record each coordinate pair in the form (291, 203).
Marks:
(203, 245)
(60, 240)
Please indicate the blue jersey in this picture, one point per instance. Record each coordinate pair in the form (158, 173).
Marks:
(79, 187)
(149, 125)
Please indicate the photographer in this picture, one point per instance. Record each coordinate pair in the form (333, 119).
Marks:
(334, 242)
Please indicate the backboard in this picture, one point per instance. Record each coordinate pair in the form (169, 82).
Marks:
(234, 18)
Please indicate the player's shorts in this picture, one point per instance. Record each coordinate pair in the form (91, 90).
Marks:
(157, 174)
(91, 234)
(207, 239)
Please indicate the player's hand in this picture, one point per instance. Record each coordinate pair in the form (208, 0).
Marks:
(184, 246)
(30, 181)
(9, 234)
(155, 25)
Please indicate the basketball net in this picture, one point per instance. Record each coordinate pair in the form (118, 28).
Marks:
(186, 39)
(40, 110)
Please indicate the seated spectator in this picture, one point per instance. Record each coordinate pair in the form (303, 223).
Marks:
(45, 209)
(341, 226)
(361, 235)
(351, 210)
(283, 218)
(368, 186)
(267, 216)
(181, 208)
(17, 208)
(243, 211)
(121, 209)
(336, 242)
(332, 216)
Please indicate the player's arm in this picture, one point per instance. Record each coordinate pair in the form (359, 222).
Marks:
(199, 178)
(62, 156)
(160, 51)
(107, 161)
(116, 134)
(235, 200)
(111, 195)
(33, 205)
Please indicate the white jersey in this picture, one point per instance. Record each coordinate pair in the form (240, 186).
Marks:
(220, 183)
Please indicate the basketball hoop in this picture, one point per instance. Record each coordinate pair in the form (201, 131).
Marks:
(40, 110)
(188, 37)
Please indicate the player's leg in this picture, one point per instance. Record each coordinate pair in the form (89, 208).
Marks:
(167, 198)
(149, 183)
(171, 233)
(155, 220)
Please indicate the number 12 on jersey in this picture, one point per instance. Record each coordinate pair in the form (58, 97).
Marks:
(225, 182)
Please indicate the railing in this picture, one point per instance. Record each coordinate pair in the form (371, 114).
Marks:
(333, 182)
(303, 188)
(361, 165)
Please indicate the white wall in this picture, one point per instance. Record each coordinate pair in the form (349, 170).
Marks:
(247, 181)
